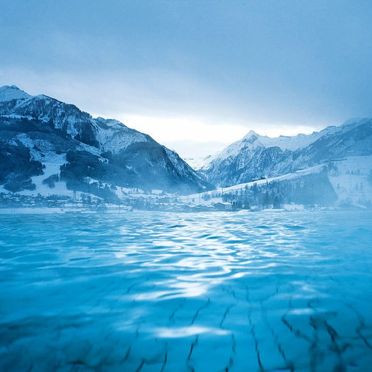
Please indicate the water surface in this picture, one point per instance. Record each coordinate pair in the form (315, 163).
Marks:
(152, 291)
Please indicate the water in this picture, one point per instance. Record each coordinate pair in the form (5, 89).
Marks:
(149, 291)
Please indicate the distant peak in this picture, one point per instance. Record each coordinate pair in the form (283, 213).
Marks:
(250, 134)
(10, 92)
(10, 88)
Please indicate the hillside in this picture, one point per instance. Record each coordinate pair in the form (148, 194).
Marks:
(48, 147)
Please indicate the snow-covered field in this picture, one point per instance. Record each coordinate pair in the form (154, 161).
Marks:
(242, 186)
(352, 179)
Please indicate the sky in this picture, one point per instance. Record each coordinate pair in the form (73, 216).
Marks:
(196, 75)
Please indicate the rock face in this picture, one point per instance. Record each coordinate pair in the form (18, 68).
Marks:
(66, 149)
(256, 157)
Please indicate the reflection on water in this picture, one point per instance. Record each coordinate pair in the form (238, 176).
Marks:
(263, 291)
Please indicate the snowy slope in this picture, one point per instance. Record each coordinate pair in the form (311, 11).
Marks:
(242, 186)
(10, 92)
(351, 178)
(198, 163)
(309, 187)
(343, 182)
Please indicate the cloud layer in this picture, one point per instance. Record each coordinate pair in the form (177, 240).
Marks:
(278, 66)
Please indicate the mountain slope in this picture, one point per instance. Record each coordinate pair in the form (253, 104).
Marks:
(64, 149)
(255, 157)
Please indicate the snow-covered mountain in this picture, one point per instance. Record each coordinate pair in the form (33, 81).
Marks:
(342, 182)
(255, 157)
(50, 147)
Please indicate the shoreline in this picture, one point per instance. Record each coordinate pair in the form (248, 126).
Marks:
(122, 210)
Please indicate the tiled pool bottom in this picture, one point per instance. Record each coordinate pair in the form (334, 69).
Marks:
(147, 291)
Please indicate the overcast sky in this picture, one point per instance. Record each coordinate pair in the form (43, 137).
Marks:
(196, 75)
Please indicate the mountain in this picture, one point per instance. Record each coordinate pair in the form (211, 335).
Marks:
(256, 157)
(50, 147)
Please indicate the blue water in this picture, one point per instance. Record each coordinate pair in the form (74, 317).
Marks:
(152, 291)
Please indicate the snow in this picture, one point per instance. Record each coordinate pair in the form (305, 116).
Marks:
(10, 92)
(175, 160)
(43, 152)
(111, 134)
(253, 141)
(116, 137)
(52, 163)
(15, 116)
(43, 147)
(284, 142)
(182, 167)
(198, 162)
(286, 177)
(351, 181)
(290, 143)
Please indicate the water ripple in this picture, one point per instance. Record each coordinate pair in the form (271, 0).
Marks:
(199, 291)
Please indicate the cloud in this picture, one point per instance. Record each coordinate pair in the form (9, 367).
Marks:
(222, 67)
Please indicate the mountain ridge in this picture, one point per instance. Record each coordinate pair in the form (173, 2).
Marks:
(254, 156)
(38, 129)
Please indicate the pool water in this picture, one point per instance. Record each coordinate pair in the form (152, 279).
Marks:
(215, 291)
